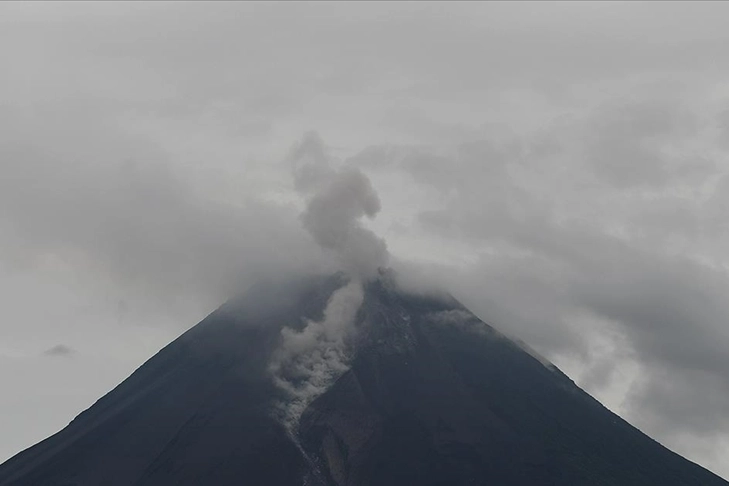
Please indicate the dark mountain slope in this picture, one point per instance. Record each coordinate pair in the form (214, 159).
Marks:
(448, 400)
(197, 413)
(433, 397)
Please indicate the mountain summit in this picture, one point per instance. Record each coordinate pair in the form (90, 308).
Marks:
(325, 382)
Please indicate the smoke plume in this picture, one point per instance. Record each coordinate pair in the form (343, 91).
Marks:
(337, 200)
(310, 360)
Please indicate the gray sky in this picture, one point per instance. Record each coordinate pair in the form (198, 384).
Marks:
(562, 168)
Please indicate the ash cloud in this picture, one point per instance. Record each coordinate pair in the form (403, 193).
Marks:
(337, 200)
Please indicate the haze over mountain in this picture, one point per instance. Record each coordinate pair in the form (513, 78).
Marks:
(413, 389)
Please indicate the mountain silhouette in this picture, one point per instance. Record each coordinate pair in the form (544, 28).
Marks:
(430, 396)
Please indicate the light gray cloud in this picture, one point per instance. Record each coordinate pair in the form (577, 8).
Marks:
(59, 350)
(626, 143)
(113, 204)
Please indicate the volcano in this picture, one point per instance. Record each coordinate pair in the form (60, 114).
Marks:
(428, 395)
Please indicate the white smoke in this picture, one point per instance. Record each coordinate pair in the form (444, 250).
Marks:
(310, 360)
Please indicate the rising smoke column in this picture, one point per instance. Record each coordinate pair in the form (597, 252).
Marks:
(310, 360)
(337, 200)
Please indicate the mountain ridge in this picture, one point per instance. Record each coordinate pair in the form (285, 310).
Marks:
(432, 396)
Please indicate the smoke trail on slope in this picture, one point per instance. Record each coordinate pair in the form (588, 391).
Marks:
(310, 360)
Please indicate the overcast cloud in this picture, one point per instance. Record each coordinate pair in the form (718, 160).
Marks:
(561, 168)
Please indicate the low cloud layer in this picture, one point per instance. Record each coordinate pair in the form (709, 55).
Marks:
(119, 210)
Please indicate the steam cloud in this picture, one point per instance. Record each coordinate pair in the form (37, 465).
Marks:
(310, 360)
